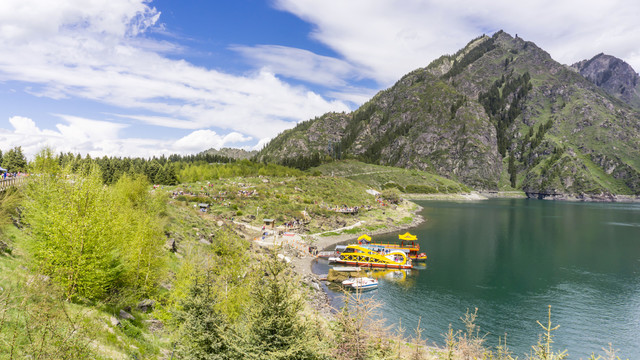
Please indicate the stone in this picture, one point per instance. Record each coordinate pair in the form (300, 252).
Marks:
(114, 321)
(171, 245)
(154, 325)
(125, 315)
(219, 223)
(146, 305)
(4, 248)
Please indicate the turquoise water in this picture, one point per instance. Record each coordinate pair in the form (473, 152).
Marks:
(511, 258)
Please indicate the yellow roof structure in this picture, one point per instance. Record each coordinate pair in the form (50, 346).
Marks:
(365, 236)
(407, 236)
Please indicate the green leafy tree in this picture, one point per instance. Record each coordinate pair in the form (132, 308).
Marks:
(72, 240)
(140, 234)
(45, 163)
(391, 195)
(14, 160)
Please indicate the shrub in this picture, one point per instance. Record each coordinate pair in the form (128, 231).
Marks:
(421, 189)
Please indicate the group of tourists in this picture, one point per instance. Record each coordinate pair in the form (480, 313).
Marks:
(10, 175)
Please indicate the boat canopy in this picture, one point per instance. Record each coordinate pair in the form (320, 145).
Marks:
(364, 239)
(407, 236)
(365, 236)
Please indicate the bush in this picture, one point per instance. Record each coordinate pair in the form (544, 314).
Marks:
(391, 195)
(391, 185)
(421, 189)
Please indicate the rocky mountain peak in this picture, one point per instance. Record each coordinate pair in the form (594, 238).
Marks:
(613, 75)
(233, 153)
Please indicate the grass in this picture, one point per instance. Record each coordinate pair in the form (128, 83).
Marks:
(288, 199)
(378, 177)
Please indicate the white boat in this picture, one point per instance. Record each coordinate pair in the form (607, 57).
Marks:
(348, 282)
(346, 268)
(361, 283)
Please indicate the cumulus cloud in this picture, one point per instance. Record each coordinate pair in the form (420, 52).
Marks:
(99, 138)
(97, 51)
(206, 139)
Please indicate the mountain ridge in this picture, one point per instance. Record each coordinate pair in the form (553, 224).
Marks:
(613, 75)
(498, 114)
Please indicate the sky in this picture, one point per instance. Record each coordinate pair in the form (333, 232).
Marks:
(145, 78)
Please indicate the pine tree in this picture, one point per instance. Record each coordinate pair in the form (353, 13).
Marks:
(204, 331)
(277, 330)
(512, 170)
(14, 160)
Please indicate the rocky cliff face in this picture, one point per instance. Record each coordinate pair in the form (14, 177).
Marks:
(232, 153)
(613, 75)
(500, 113)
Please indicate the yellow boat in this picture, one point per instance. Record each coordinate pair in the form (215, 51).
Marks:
(408, 245)
(362, 256)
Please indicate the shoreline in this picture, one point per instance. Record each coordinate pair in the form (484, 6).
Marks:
(324, 242)
(319, 298)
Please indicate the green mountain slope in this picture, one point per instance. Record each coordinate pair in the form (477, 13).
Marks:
(383, 177)
(500, 113)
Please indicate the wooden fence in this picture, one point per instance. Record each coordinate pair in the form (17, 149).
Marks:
(11, 181)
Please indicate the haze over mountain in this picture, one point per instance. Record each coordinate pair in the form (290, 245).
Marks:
(498, 114)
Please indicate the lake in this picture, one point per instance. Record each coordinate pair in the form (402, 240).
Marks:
(511, 258)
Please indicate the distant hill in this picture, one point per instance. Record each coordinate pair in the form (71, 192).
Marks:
(384, 177)
(613, 75)
(237, 154)
(498, 114)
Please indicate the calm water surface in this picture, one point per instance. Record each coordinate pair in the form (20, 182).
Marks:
(511, 259)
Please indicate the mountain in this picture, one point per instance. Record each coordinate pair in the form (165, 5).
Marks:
(498, 114)
(613, 75)
(238, 154)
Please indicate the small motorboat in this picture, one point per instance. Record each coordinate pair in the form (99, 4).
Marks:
(361, 283)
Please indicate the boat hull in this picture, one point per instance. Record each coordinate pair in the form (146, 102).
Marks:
(373, 265)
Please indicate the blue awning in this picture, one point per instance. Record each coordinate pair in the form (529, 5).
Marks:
(1, 169)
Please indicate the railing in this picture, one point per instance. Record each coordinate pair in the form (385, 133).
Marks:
(11, 181)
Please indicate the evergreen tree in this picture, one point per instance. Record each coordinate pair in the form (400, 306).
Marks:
(204, 331)
(277, 330)
(14, 160)
(512, 170)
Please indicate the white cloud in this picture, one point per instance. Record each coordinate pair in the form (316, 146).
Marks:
(300, 64)
(200, 140)
(99, 51)
(387, 39)
(100, 138)
(96, 51)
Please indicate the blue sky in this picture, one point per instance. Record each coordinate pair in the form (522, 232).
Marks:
(143, 78)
